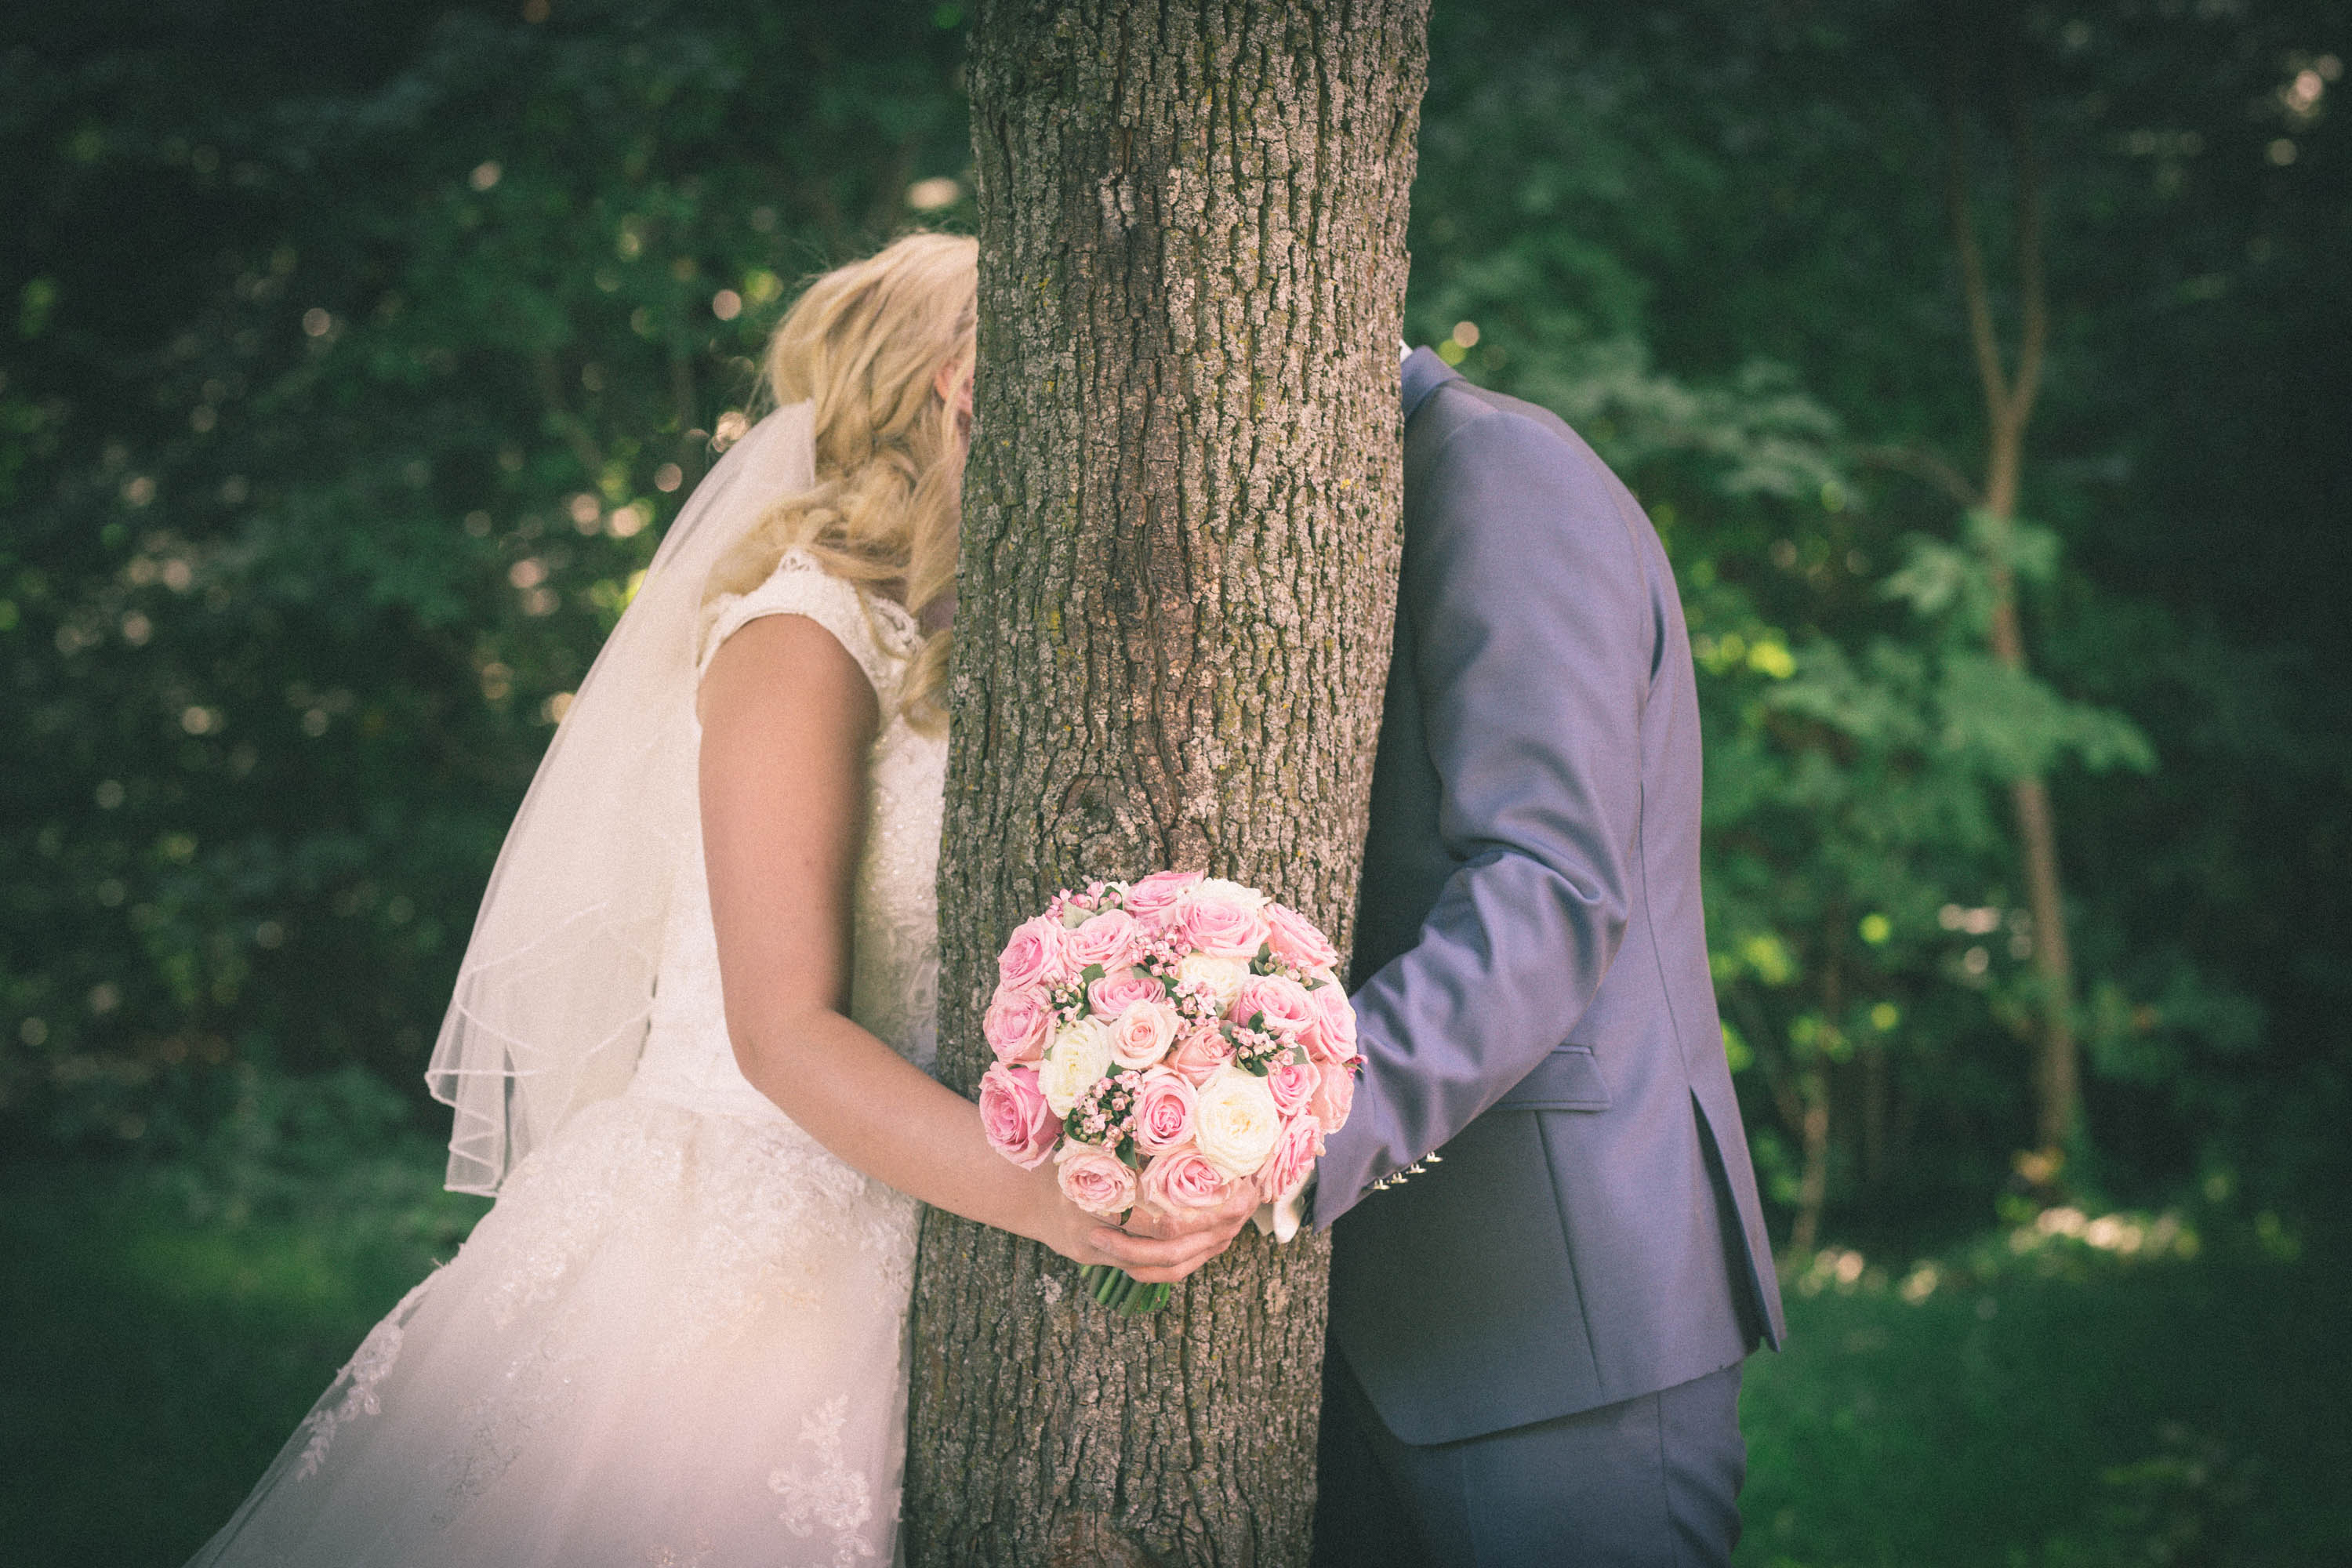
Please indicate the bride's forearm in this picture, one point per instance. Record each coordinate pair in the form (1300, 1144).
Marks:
(882, 1114)
(788, 720)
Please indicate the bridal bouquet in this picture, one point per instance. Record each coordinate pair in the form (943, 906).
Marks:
(1162, 1041)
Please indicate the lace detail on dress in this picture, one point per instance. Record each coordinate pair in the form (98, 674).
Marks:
(836, 1496)
(879, 635)
(359, 1380)
(679, 1260)
(774, 1217)
(777, 1214)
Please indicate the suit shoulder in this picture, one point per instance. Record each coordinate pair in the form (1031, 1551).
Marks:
(1502, 404)
(1472, 443)
(1469, 425)
(1503, 489)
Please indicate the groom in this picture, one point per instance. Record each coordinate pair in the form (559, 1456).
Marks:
(1535, 1341)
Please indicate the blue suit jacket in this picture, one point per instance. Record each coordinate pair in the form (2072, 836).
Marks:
(1534, 992)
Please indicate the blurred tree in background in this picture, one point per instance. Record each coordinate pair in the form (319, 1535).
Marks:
(1717, 238)
(353, 360)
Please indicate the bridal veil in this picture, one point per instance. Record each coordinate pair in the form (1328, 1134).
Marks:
(551, 1002)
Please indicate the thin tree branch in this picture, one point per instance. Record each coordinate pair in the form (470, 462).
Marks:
(1925, 466)
(2034, 328)
(1973, 288)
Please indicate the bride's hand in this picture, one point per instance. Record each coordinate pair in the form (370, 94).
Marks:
(1198, 1235)
(1155, 1247)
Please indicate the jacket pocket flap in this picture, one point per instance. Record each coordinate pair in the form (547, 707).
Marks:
(1567, 1080)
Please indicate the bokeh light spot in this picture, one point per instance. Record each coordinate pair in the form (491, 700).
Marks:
(932, 194)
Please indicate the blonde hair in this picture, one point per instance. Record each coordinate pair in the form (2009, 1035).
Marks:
(865, 343)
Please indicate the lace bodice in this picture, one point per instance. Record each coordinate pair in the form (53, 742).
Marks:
(688, 1060)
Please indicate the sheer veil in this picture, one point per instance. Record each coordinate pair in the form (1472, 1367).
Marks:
(553, 999)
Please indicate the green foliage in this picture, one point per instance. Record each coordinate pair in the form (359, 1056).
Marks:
(352, 387)
(1713, 240)
(347, 381)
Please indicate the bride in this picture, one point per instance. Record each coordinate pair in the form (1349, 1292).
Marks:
(688, 1043)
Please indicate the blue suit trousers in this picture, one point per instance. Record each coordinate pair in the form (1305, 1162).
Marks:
(1651, 1482)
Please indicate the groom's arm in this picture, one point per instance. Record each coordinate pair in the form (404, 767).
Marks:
(1535, 642)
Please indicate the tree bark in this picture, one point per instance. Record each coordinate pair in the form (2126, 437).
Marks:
(1182, 529)
(2009, 407)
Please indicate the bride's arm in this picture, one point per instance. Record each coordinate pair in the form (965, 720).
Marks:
(788, 719)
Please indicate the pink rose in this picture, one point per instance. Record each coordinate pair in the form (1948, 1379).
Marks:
(1334, 1096)
(1017, 1023)
(1157, 897)
(1121, 989)
(1222, 928)
(1286, 1169)
(1110, 939)
(1141, 1035)
(1020, 1125)
(1095, 1179)
(1330, 1034)
(1200, 1053)
(1033, 955)
(1282, 1001)
(1182, 1179)
(1295, 940)
(1292, 1084)
(1164, 1108)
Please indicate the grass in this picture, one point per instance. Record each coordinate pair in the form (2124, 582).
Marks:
(150, 1366)
(2057, 1407)
(2062, 1408)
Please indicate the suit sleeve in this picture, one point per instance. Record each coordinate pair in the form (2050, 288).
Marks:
(1534, 648)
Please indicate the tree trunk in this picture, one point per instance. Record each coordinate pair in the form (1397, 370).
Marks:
(1182, 529)
(2009, 407)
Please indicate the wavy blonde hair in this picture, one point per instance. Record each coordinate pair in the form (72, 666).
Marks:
(865, 343)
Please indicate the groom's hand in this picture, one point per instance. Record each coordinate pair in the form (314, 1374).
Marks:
(1162, 1245)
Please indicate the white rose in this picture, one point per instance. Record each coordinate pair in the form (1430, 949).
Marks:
(1217, 891)
(1079, 1055)
(1224, 977)
(1237, 1124)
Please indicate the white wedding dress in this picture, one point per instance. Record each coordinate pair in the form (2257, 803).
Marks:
(678, 1338)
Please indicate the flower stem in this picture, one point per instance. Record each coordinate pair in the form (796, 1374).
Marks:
(1118, 1290)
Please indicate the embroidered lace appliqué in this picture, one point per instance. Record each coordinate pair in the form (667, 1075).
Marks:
(836, 1496)
(359, 1380)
